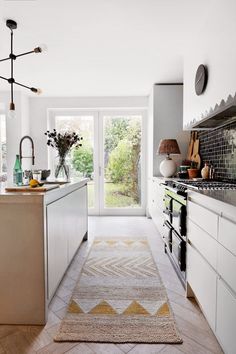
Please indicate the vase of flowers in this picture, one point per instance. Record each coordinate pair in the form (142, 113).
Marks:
(63, 142)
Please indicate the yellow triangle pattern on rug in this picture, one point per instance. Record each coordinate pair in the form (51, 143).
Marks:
(74, 308)
(111, 242)
(144, 242)
(103, 308)
(163, 310)
(119, 297)
(96, 241)
(135, 309)
(128, 242)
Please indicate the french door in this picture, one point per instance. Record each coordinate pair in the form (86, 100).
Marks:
(112, 156)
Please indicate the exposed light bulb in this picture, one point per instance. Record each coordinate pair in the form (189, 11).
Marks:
(39, 91)
(35, 90)
(42, 48)
(11, 113)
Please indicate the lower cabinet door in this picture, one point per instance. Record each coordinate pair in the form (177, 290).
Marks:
(66, 226)
(57, 251)
(76, 220)
(226, 318)
(202, 279)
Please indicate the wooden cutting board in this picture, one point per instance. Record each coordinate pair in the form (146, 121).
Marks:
(23, 189)
(195, 149)
(195, 156)
(190, 147)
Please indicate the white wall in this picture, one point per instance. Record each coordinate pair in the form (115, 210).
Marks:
(215, 47)
(168, 122)
(38, 111)
(16, 127)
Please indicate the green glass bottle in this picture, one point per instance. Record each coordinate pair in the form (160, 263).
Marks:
(17, 172)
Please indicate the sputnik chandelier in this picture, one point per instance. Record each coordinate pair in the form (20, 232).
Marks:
(11, 24)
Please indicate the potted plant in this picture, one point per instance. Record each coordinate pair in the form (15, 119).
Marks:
(193, 170)
(63, 142)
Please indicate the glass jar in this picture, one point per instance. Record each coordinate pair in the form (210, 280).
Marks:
(62, 170)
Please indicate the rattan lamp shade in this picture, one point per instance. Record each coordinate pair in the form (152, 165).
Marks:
(168, 146)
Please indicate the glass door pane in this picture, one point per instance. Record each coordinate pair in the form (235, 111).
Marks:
(122, 160)
(81, 160)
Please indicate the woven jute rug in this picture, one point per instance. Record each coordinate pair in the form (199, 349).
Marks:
(119, 297)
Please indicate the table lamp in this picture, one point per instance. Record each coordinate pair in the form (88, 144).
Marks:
(167, 147)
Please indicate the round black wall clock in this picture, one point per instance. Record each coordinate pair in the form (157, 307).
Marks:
(200, 79)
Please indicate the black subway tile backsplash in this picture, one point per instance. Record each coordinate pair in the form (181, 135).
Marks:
(218, 148)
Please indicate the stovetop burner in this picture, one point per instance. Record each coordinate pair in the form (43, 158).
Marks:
(182, 185)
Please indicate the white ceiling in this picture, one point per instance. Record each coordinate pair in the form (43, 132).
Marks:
(99, 47)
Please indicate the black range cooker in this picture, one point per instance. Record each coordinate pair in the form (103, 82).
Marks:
(175, 212)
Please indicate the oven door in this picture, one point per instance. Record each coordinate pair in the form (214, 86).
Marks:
(179, 251)
(167, 235)
(179, 217)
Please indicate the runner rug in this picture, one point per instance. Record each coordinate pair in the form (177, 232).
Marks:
(119, 297)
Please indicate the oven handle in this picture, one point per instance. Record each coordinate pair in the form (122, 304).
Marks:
(180, 238)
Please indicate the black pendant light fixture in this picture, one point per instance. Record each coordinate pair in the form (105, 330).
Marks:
(12, 25)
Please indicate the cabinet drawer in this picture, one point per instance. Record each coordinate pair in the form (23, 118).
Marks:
(204, 243)
(226, 318)
(205, 218)
(227, 266)
(202, 280)
(227, 234)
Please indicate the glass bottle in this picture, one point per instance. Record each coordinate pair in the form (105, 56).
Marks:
(205, 171)
(17, 172)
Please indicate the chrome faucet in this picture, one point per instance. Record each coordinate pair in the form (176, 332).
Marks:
(32, 145)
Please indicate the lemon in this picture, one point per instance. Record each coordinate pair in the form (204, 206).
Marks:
(33, 183)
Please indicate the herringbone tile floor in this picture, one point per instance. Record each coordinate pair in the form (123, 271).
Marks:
(198, 337)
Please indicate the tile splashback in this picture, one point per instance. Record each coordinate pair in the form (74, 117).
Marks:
(218, 147)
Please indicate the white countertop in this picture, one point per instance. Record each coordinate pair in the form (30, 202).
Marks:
(48, 196)
(225, 196)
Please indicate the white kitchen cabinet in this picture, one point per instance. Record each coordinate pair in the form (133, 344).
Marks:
(211, 264)
(40, 233)
(204, 218)
(57, 254)
(202, 279)
(203, 242)
(77, 222)
(227, 266)
(227, 234)
(226, 318)
(66, 227)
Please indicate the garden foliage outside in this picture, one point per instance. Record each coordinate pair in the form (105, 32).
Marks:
(122, 148)
(122, 153)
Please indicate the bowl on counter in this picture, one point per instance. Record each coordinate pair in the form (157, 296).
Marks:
(183, 171)
(183, 174)
(45, 174)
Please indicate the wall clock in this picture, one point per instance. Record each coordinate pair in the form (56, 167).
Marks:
(200, 79)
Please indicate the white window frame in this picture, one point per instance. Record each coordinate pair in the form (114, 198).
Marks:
(98, 114)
